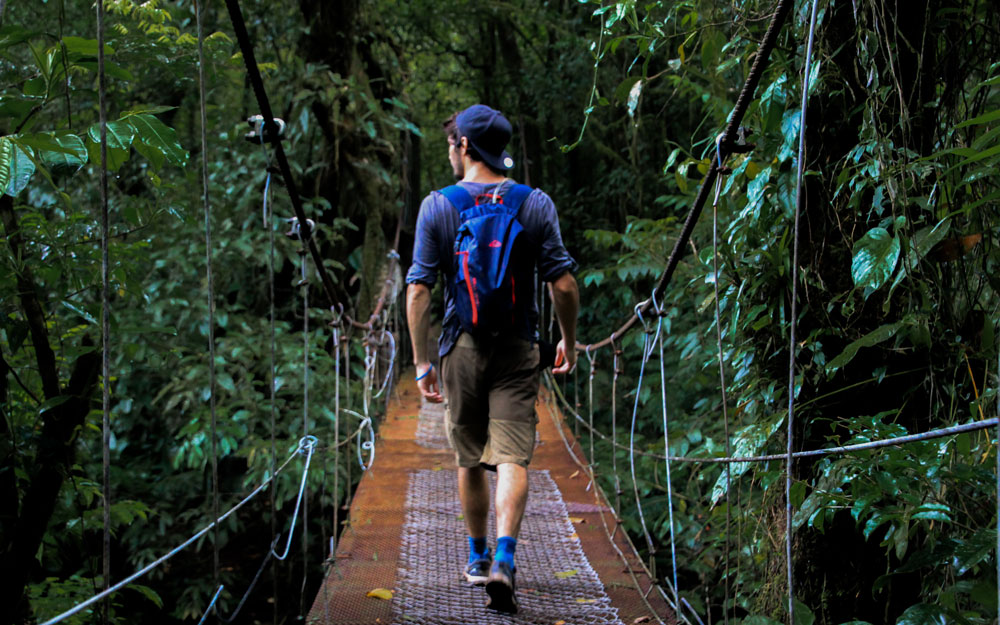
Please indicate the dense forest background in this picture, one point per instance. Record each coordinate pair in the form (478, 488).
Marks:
(616, 106)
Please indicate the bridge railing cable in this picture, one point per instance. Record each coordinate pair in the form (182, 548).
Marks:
(301, 449)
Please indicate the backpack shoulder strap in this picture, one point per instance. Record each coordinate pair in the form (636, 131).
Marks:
(458, 197)
(515, 196)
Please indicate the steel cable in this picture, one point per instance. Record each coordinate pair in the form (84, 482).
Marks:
(187, 543)
(308, 447)
(812, 453)
(647, 350)
(210, 286)
(722, 376)
(105, 314)
(799, 202)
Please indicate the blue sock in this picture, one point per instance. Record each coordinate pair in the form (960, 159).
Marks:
(478, 549)
(506, 546)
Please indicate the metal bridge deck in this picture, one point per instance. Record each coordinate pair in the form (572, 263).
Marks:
(405, 534)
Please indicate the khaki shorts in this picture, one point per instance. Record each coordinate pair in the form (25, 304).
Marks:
(491, 391)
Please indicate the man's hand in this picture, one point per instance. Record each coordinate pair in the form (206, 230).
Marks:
(427, 382)
(565, 361)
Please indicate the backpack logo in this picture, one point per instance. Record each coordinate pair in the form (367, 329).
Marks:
(485, 253)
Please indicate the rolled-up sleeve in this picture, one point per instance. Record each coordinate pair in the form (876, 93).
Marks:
(553, 257)
(424, 269)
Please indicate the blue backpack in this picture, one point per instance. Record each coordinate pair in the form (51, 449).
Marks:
(486, 292)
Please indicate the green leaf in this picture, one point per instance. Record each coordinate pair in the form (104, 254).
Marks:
(148, 593)
(985, 118)
(84, 47)
(146, 109)
(803, 615)
(757, 619)
(875, 257)
(49, 404)
(120, 134)
(974, 550)
(159, 137)
(876, 336)
(923, 614)
(13, 35)
(60, 150)
(21, 170)
(116, 156)
(6, 158)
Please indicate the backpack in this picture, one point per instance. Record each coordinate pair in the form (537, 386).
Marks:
(486, 292)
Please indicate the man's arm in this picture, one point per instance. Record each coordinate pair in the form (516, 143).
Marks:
(566, 300)
(418, 304)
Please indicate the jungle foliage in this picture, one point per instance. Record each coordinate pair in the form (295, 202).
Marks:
(616, 105)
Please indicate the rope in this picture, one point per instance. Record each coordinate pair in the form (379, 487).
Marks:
(761, 60)
(105, 312)
(257, 83)
(209, 279)
(187, 543)
(800, 200)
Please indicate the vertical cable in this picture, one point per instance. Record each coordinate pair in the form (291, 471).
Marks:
(666, 455)
(271, 375)
(614, 431)
(305, 408)
(105, 311)
(799, 201)
(211, 289)
(722, 382)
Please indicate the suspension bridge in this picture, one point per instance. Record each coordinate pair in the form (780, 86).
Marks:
(399, 556)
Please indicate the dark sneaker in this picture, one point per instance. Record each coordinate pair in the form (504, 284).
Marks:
(478, 571)
(500, 588)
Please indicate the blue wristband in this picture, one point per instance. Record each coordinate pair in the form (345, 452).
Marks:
(424, 374)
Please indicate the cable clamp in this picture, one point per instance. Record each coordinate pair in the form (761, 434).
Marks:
(307, 444)
(295, 228)
(264, 133)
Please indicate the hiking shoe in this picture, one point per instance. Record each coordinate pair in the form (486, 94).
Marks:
(478, 571)
(500, 588)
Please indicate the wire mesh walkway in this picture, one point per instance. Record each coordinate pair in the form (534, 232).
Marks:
(405, 533)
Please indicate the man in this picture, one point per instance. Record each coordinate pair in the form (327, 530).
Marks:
(491, 381)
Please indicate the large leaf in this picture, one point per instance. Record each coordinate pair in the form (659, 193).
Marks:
(875, 257)
(923, 614)
(874, 337)
(974, 550)
(57, 150)
(159, 137)
(13, 35)
(21, 170)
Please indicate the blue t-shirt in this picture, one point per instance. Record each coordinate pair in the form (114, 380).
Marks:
(434, 251)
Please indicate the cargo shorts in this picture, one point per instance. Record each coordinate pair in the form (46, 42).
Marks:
(490, 388)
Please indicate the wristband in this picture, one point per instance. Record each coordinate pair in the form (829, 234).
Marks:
(424, 374)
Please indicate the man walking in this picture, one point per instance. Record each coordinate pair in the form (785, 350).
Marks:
(490, 361)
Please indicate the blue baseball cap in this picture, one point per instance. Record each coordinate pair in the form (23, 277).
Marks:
(488, 131)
